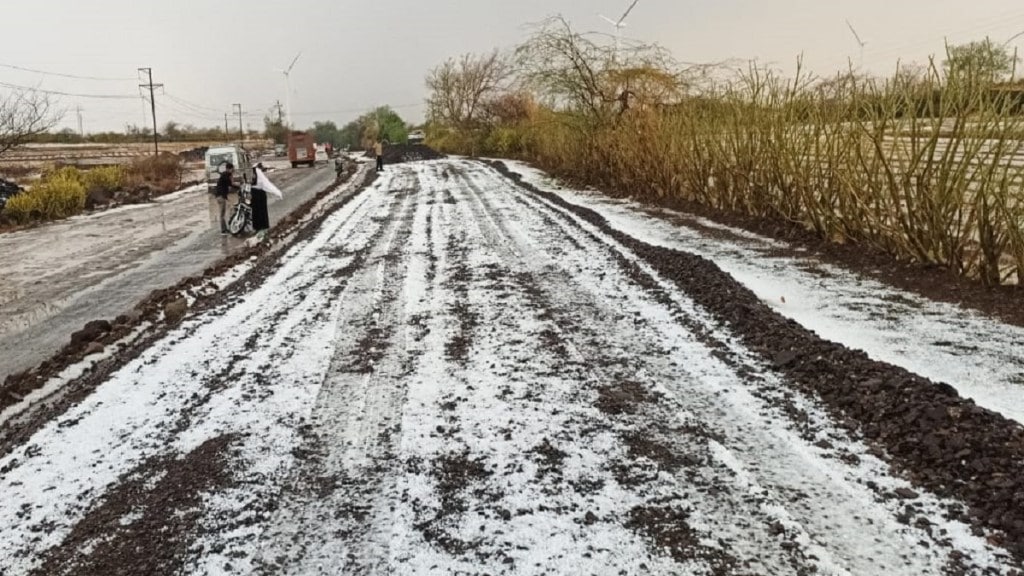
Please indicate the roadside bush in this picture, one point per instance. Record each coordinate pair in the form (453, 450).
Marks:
(893, 164)
(106, 180)
(60, 194)
(165, 170)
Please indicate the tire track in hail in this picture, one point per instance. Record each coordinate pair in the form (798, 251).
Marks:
(346, 459)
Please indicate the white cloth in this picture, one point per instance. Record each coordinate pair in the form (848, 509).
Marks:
(264, 183)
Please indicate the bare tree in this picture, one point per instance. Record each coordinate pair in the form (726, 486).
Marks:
(25, 114)
(460, 86)
(572, 70)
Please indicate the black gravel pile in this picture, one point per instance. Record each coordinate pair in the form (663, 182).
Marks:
(400, 153)
(934, 437)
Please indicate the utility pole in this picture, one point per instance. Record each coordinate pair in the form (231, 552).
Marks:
(226, 130)
(81, 131)
(280, 113)
(238, 109)
(152, 104)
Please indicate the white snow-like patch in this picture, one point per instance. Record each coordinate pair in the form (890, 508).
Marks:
(72, 372)
(977, 355)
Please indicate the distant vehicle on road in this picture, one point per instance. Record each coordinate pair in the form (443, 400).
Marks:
(321, 154)
(280, 150)
(301, 149)
(217, 157)
(417, 137)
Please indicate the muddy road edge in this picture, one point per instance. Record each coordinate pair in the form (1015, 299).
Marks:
(135, 331)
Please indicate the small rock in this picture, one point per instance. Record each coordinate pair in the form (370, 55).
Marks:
(906, 493)
(590, 519)
(175, 310)
(94, 348)
(98, 325)
(91, 332)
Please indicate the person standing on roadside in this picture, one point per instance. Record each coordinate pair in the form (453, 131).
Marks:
(378, 149)
(225, 184)
(261, 186)
(260, 214)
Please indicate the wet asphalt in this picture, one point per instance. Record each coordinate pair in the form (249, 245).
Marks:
(57, 277)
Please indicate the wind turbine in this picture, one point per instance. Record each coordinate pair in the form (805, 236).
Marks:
(288, 84)
(860, 42)
(619, 25)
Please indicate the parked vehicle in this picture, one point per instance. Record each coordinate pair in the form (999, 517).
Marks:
(216, 158)
(321, 154)
(280, 150)
(417, 137)
(301, 149)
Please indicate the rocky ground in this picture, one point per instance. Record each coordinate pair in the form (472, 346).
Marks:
(456, 371)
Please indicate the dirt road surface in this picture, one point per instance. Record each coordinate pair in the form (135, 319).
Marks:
(456, 375)
(59, 276)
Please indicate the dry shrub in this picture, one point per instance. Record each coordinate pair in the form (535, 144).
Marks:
(106, 180)
(915, 166)
(922, 165)
(60, 194)
(161, 174)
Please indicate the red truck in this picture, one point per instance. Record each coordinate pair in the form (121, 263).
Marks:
(301, 149)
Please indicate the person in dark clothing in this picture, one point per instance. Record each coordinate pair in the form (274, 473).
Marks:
(378, 149)
(225, 184)
(260, 213)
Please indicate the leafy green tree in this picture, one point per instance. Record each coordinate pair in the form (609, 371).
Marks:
(382, 122)
(979, 61)
(274, 129)
(172, 131)
(351, 134)
(385, 124)
(327, 133)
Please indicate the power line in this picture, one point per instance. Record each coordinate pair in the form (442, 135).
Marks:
(189, 104)
(355, 110)
(61, 75)
(71, 94)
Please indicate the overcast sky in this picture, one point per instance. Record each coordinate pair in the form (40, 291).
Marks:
(210, 55)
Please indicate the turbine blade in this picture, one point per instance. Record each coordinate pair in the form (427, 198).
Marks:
(607, 19)
(855, 35)
(296, 59)
(628, 10)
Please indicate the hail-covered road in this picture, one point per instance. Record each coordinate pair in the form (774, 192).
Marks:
(455, 374)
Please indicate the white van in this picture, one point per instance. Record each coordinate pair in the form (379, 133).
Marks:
(321, 154)
(218, 157)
